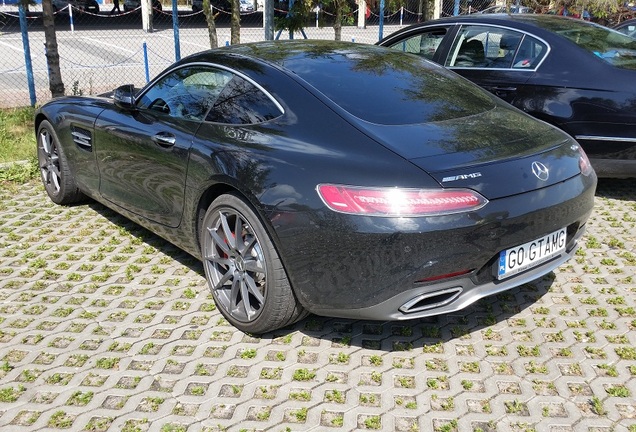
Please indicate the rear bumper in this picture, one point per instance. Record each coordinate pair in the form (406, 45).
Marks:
(448, 296)
(373, 268)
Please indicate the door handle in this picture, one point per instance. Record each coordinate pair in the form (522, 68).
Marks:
(502, 92)
(164, 139)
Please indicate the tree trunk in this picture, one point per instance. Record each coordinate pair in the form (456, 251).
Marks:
(209, 18)
(337, 25)
(235, 29)
(56, 85)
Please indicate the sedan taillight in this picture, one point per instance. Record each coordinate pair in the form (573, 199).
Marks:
(399, 202)
(584, 162)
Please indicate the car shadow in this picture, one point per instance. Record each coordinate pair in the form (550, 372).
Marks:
(140, 233)
(624, 189)
(424, 333)
(386, 336)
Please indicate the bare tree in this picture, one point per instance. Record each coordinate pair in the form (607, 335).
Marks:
(210, 20)
(235, 27)
(56, 85)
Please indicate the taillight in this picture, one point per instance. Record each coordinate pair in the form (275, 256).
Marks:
(399, 202)
(584, 162)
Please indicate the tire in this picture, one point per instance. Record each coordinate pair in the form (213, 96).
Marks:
(247, 280)
(54, 170)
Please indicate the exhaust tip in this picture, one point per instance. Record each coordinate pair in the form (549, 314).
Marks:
(431, 300)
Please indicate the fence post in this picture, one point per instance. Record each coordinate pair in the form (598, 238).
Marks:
(175, 31)
(381, 20)
(70, 17)
(146, 67)
(27, 53)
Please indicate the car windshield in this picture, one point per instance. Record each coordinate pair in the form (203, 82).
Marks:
(609, 45)
(389, 87)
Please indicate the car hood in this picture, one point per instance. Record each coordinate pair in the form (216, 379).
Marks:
(492, 152)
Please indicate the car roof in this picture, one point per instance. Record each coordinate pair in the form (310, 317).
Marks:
(281, 53)
(545, 26)
(542, 21)
(342, 73)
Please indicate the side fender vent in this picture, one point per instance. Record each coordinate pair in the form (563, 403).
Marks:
(82, 138)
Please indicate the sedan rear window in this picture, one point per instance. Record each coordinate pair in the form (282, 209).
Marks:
(609, 45)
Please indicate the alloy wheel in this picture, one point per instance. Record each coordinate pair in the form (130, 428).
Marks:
(235, 261)
(49, 161)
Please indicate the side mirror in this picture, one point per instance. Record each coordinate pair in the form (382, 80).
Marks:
(124, 96)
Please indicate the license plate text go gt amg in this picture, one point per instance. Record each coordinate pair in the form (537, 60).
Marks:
(531, 254)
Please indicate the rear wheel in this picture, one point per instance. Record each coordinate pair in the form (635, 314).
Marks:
(54, 170)
(243, 269)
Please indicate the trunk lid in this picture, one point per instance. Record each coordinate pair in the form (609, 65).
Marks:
(498, 153)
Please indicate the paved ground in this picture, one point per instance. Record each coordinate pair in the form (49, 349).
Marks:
(103, 326)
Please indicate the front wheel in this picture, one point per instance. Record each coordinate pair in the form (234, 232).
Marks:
(54, 170)
(243, 269)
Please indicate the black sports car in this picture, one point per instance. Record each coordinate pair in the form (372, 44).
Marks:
(340, 179)
(571, 73)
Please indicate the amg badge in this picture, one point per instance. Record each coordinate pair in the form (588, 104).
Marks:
(461, 177)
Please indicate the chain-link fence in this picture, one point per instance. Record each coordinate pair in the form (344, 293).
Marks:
(101, 47)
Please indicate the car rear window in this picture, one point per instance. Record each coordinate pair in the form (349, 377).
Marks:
(609, 45)
(390, 87)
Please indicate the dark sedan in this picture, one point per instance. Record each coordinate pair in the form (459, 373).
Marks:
(571, 73)
(627, 27)
(341, 179)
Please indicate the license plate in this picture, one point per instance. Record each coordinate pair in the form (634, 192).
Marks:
(531, 254)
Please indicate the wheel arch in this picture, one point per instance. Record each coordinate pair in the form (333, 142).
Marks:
(220, 188)
(39, 118)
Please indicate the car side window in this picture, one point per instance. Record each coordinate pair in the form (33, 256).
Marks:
(629, 30)
(495, 48)
(241, 103)
(424, 44)
(187, 93)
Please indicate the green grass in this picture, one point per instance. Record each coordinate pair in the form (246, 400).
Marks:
(17, 140)
(17, 143)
